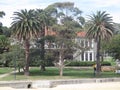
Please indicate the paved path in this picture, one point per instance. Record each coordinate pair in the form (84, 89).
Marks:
(6, 74)
(88, 86)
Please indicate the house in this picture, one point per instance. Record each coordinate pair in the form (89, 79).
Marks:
(88, 51)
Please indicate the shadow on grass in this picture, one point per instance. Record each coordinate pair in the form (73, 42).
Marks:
(69, 72)
(38, 72)
(75, 73)
(48, 72)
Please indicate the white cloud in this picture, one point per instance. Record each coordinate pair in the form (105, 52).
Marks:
(10, 6)
(116, 17)
(87, 6)
(104, 3)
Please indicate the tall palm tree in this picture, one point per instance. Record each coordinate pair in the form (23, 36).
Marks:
(25, 26)
(101, 28)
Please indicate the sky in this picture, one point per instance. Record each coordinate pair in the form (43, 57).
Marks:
(87, 6)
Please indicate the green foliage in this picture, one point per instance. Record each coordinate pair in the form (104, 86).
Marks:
(6, 31)
(49, 59)
(85, 63)
(3, 41)
(101, 27)
(2, 14)
(117, 28)
(5, 59)
(106, 63)
(15, 57)
(113, 47)
(80, 63)
(25, 25)
(36, 60)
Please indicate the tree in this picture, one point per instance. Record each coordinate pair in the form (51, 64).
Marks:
(1, 15)
(117, 28)
(101, 28)
(6, 31)
(1, 31)
(4, 44)
(113, 47)
(13, 58)
(46, 21)
(69, 21)
(24, 27)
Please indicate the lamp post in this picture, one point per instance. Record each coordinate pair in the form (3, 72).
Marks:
(15, 66)
(15, 69)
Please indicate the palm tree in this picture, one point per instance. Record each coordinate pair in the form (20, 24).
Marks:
(2, 14)
(101, 28)
(24, 27)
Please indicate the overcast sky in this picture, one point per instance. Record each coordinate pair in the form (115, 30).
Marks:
(87, 6)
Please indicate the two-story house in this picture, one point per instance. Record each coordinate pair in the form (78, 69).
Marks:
(88, 52)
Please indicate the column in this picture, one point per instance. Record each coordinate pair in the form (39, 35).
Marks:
(88, 56)
(84, 56)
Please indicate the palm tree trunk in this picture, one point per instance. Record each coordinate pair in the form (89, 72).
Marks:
(43, 50)
(43, 56)
(27, 46)
(98, 58)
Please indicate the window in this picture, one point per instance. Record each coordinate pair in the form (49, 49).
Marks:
(82, 43)
(86, 56)
(82, 56)
(90, 56)
(86, 43)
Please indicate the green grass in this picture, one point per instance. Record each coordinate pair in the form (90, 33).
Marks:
(5, 70)
(53, 73)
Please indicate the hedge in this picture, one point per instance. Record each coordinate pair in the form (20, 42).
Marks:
(85, 63)
(71, 63)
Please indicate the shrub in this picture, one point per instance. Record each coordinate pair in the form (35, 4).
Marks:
(105, 63)
(85, 63)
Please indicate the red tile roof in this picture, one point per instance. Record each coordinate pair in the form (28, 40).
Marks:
(81, 34)
(50, 32)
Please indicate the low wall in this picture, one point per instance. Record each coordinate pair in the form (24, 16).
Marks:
(16, 84)
(53, 83)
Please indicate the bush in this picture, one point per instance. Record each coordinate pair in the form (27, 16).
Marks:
(105, 63)
(85, 63)
(49, 63)
(79, 63)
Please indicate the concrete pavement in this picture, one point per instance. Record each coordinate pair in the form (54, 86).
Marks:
(87, 86)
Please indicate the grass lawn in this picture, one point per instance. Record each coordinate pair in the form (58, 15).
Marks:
(53, 73)
(4, 70)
